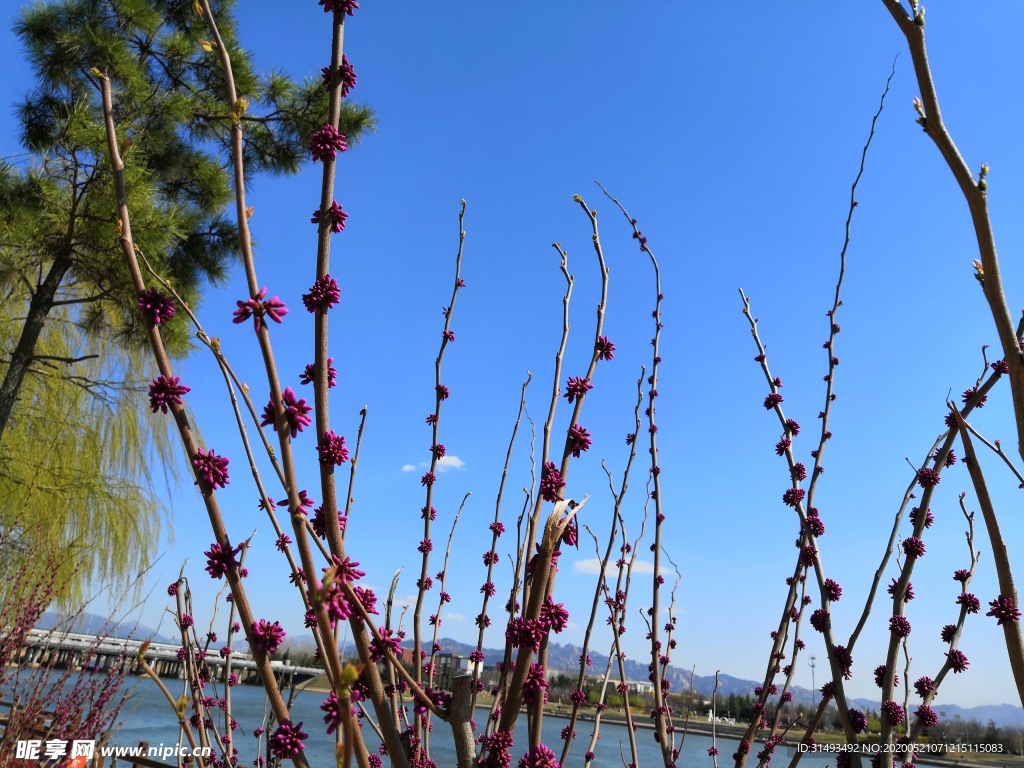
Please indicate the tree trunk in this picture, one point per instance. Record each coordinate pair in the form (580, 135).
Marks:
(38, 309)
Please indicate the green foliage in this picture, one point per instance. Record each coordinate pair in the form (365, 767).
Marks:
(77, 480)
(171, 112)
(75, 439)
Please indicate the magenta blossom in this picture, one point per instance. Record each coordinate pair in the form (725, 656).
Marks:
(924, 686)
(553, 616)
(257, 307)
(969, 393)
(335, 217)
(820, 619)
(348, 76)
(210, 468)
(969, 601)
(220, 560)
(858, 721)
(540, 756)
(551, 482)
(308, 372)
(346, 569)
(928, 478)
(324, 294)
(1003, 610)
(295, 414)
(164, 392)
(958, 661)
(327, 143)
(286, 741)
(387, 642)
(266, 636)
(913, 547)
(159, 305)
(535, 688)
(893, 712)
(332, 449)
(926, 715)
(899, 625)
(332, 708)
(793, 496)
(345, 6)
(578, 440)
(367, 598)
(832, 590)
(929, 518)
(319, 521)
(577, 387)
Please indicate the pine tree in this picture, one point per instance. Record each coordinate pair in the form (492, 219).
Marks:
(74, 443)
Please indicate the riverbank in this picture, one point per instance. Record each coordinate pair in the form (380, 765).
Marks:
(701, 727)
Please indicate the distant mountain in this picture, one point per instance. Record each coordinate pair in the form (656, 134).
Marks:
(92, 624)
(565, 658)
(1001, 714)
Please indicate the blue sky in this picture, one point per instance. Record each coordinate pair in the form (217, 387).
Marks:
(733, 136)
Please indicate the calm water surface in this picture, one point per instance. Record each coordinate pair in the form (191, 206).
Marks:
(148, 717)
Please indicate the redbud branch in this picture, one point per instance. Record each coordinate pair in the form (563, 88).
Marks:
(1007, 588)
(435, 456)
(598, 331)
(511, 607)
(806, 538)
(263, 336)
(939, 449)
(997, 449)
(440, 609)
(617, 498)
(184, 429)
(899, 603)
(557, 521)
(392, 661)
(906, 686)
(660, 708)
(182, 720)
(714, 722)
(908, 495)
(388, 605)
(812, 728)
(353, 465)
(837, 302)
(958, 627)
(595, 734)
(531, 532)
(976, 196)
(215, 349)
(494, 536)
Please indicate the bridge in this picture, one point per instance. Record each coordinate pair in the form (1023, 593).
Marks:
(96, 653)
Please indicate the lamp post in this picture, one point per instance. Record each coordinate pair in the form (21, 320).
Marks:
(814, 688)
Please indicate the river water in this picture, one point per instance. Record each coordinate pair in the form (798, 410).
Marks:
(148, 717)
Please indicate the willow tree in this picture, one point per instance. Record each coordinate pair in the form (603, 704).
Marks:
(67, 297)
(78, 490)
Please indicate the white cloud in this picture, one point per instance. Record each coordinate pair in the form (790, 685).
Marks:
(445, 463)
(587, 566)
(450, 462)
(593, 566)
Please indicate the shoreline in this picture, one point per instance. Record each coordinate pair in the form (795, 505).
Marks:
(701, 727)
